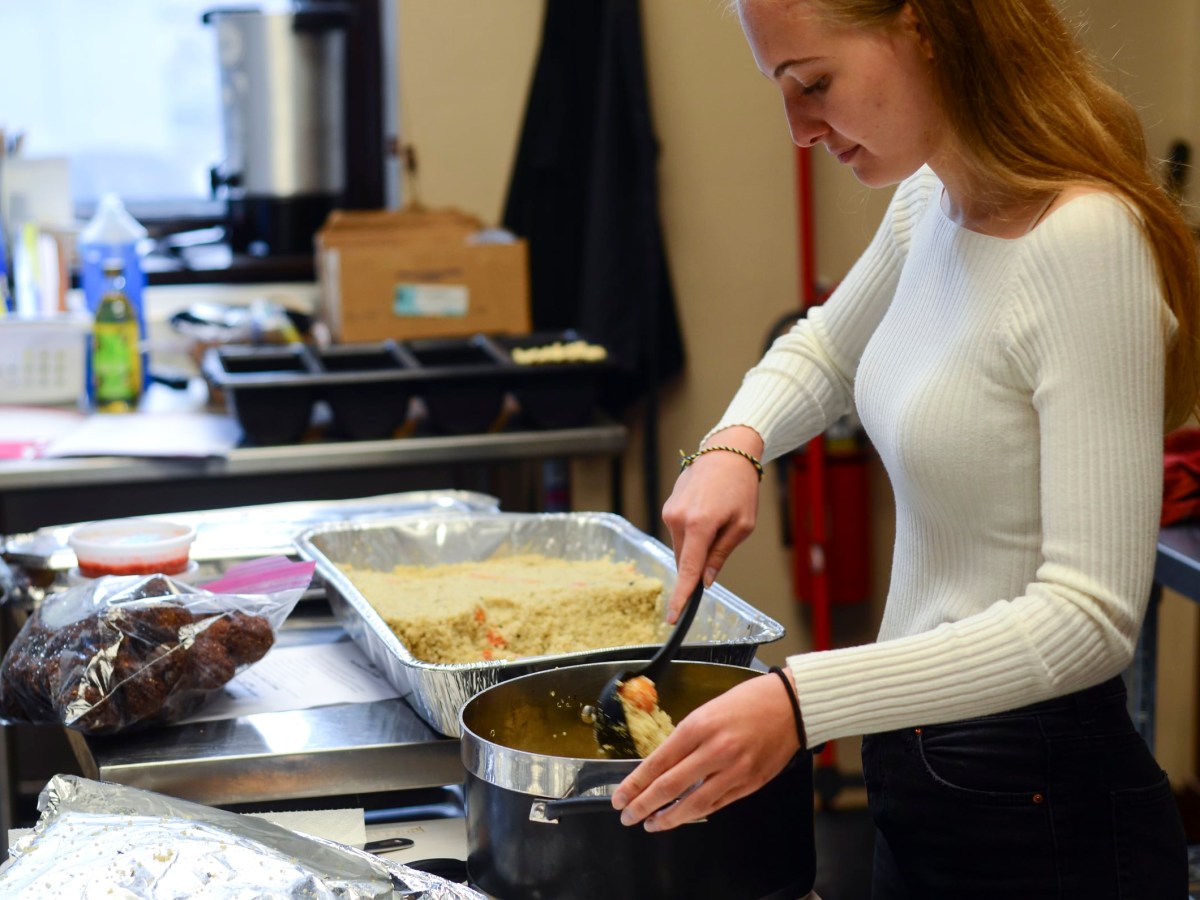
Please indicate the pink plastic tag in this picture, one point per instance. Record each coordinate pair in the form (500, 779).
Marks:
(268, 575)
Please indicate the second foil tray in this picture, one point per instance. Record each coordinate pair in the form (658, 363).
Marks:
(245, 532)
(726, 628)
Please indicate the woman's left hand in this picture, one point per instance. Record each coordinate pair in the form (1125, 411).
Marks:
(729, 747)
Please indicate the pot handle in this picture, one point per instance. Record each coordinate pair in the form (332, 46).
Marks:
(589, 778)
(549, 812)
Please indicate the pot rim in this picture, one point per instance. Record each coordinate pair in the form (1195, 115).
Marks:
(547, 775)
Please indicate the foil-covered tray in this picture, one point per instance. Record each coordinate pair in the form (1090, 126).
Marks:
(726, 628)
(96, 839)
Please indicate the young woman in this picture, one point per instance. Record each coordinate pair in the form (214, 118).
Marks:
(1015, 340)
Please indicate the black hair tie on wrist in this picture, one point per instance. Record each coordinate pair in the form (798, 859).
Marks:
(791, 694)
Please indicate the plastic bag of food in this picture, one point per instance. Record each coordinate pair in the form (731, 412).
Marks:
(95, 839)
(130, 651)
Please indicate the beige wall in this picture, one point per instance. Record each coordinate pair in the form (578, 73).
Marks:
(728, 207)
(1152, 58)
(464, 70)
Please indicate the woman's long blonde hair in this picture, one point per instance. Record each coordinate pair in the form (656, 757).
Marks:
(1032, 110)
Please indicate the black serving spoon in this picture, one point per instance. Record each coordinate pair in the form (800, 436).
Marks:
(608, 714)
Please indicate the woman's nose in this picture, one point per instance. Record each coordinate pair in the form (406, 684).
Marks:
(806, 129)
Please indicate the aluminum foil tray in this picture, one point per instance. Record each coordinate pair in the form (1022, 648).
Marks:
(726, 629)
(244, 532)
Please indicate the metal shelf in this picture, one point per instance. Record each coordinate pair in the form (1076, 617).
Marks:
(603, 439)
(41, 492)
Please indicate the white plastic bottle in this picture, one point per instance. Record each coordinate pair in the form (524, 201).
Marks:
(113, 234)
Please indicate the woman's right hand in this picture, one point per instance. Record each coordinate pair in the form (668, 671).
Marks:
(712, 509)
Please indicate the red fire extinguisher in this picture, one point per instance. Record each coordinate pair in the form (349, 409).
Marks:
(829, 509)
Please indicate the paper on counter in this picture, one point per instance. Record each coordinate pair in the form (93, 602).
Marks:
(139, 434)
(432, 838)
(25, 431)
(346, 826)
(300, 677)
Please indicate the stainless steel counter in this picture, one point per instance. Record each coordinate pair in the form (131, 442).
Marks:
(328, 751)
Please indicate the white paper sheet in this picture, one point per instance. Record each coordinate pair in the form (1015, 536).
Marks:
(432, 839)
(25, 431)
(159, 435)
(346, 826)
(301, 677)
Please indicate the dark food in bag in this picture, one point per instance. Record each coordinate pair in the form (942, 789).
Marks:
(148, 661)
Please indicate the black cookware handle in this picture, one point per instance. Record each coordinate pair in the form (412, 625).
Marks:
(553, 810)
(569, 806)
(387, 845)
(662, 659)
(590, 777)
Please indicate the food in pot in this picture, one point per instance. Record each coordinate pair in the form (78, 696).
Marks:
(126, 665)
(648, 724)
(514, 606)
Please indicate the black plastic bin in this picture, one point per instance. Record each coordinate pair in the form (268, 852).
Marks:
(561, 393)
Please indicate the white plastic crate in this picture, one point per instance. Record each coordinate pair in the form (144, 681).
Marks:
(43, 360)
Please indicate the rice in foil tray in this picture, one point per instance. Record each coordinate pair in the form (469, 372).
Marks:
(726, 629)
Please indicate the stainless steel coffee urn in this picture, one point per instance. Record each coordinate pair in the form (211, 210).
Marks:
(282, 76)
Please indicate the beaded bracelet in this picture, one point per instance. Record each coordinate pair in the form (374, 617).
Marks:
(687, 459)
(787, 686)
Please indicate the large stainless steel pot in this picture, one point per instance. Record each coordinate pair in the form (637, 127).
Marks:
(540, 825)
(283, 114)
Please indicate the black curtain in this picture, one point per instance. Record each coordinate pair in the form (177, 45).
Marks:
(366, 143)
(584, 193)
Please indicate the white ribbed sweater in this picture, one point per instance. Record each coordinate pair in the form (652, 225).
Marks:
(1014, 391)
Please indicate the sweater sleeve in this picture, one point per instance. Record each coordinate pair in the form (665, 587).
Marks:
(805, 381)
(1088, 333)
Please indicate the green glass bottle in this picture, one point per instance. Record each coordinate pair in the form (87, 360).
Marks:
(116, 360)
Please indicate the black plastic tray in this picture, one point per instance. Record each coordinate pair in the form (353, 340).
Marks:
(270, 390)
(554, 394)
(464, 383)
(369, 388)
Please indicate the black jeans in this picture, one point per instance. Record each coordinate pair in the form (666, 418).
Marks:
(1054, 801)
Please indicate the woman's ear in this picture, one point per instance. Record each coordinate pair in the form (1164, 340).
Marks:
(911, 24)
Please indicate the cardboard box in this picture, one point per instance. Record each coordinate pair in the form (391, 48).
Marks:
(419, 273)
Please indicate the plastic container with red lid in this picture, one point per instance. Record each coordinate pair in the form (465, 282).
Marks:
(132, 547)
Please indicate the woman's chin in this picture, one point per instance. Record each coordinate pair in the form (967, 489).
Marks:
(870, 174)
